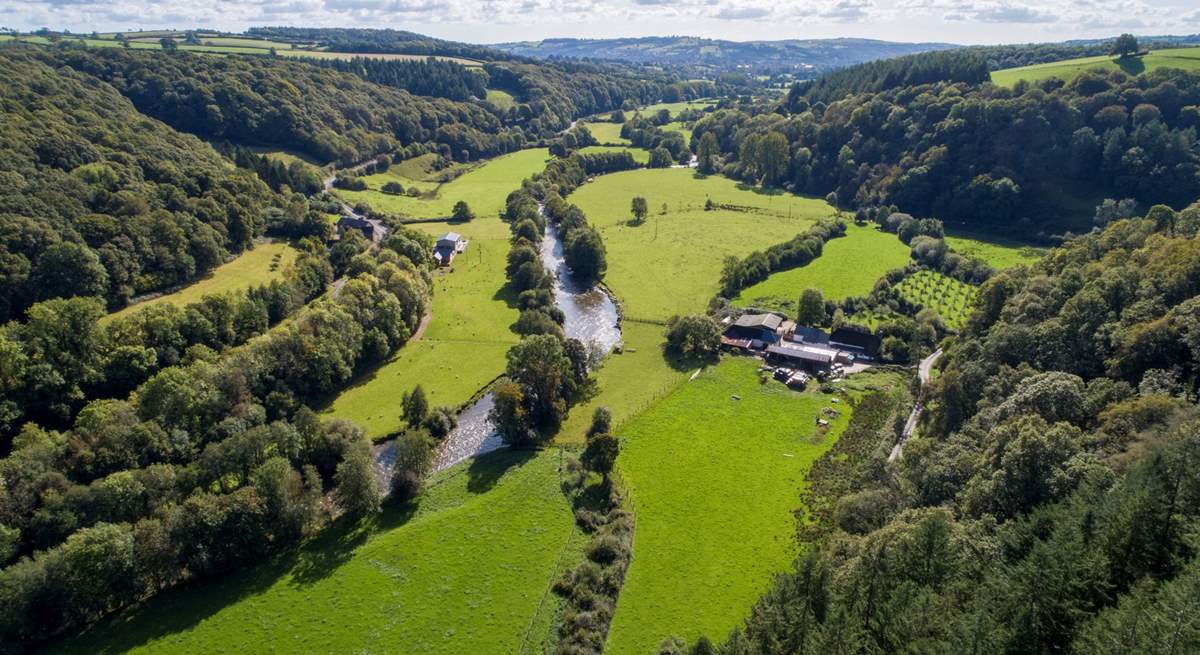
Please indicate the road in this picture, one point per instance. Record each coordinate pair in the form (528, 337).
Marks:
(924, 369)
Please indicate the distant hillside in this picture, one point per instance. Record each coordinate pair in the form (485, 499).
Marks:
(1067, 70)
(806, 57)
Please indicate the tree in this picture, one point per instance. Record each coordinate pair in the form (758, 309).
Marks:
(811, 308)
(773, 157)
(539, 364)
(414, 454)
(660, 157)
(639, 208)
(600, 454)
(69, 269)
(357, 490)
(415, 406)
(707, 152)
(168, 44)
(462, 211)
(394, 188)
(1125, 45)
(601, 421)
(693, 336)
(585, 254)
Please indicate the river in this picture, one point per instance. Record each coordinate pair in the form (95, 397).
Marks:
(590, 316)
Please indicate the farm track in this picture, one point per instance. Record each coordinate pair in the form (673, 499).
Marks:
(923, 373)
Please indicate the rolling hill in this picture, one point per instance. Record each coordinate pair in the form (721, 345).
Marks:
(1183, 58)
(808, 56)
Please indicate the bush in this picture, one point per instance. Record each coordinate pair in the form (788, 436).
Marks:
(393, 188)
(693, 336)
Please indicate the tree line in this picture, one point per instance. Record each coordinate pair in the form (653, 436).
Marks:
(210, 465)
(429, 77)
(950, 150)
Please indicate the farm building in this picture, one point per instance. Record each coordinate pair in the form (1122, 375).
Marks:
(809, 335)
(860, 343)
(448, 245)
(811, 358)
(366, 227)
(756, 327)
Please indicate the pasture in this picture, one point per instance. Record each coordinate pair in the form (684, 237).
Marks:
(676, 107)
(266, 262)
(848, 266)
(607, 133)
(465, 569)
(501, 99)
(715, 471)
(1183, 58)
(464, 345)
(671, 263)
(998, 253)
(628, 382)
(484, 187)
(952, 299)
(640, 155)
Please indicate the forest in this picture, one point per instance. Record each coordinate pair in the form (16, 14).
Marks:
(951, 150)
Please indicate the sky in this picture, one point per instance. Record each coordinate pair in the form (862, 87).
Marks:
(491, 21)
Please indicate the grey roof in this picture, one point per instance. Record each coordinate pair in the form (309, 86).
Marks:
(449, 236)
(764, 321)
(810, 335)
(818, 355)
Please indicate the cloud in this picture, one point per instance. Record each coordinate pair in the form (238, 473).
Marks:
(742, 13)
(1009, 13)
(846, 11)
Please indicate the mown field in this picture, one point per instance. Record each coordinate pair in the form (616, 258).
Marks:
(848, 266)
(484, 187)
(502, 99)
(714, 480)
(464, 345)
(998, 253)
(952, 299)
(265, 263)
(1183, 58)
(628, 382)
(464, 570)
(606, 133)
(671, 263)
(640, 155)
(676, 107)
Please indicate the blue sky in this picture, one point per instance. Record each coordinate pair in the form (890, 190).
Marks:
(488, 21)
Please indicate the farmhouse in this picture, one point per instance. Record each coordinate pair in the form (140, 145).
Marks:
(366, 227)
(756, 327)
(448, 245)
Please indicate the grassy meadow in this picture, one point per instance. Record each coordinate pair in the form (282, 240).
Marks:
(501, 99)
(715, 481)
(464, 344)
(676, 107)
(484, 187)
(265, 263)
(465, 570)
(952, 299)
(998, 253)
(1183, 58)
(848, 266)
(607, 133)
(671, 263)
(628, 382)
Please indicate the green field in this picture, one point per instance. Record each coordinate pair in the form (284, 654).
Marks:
(463, 347)
(1184, 58)
(671, 264)
(465, 571)
(628, 382)
(502, 99)
(952, 299)
(484, 188)
(680, 128)
(265, 263)
(714, 481)
(676, 107)
(607, 133)
(640, 155)
(848, 266)
(998, 253)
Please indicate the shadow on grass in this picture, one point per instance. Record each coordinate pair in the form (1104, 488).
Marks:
(1131, 65)
(485, 470)
(507, 295)
(684, 363)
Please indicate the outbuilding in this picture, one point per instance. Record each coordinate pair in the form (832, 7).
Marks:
(448, 245)
(759, 327)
